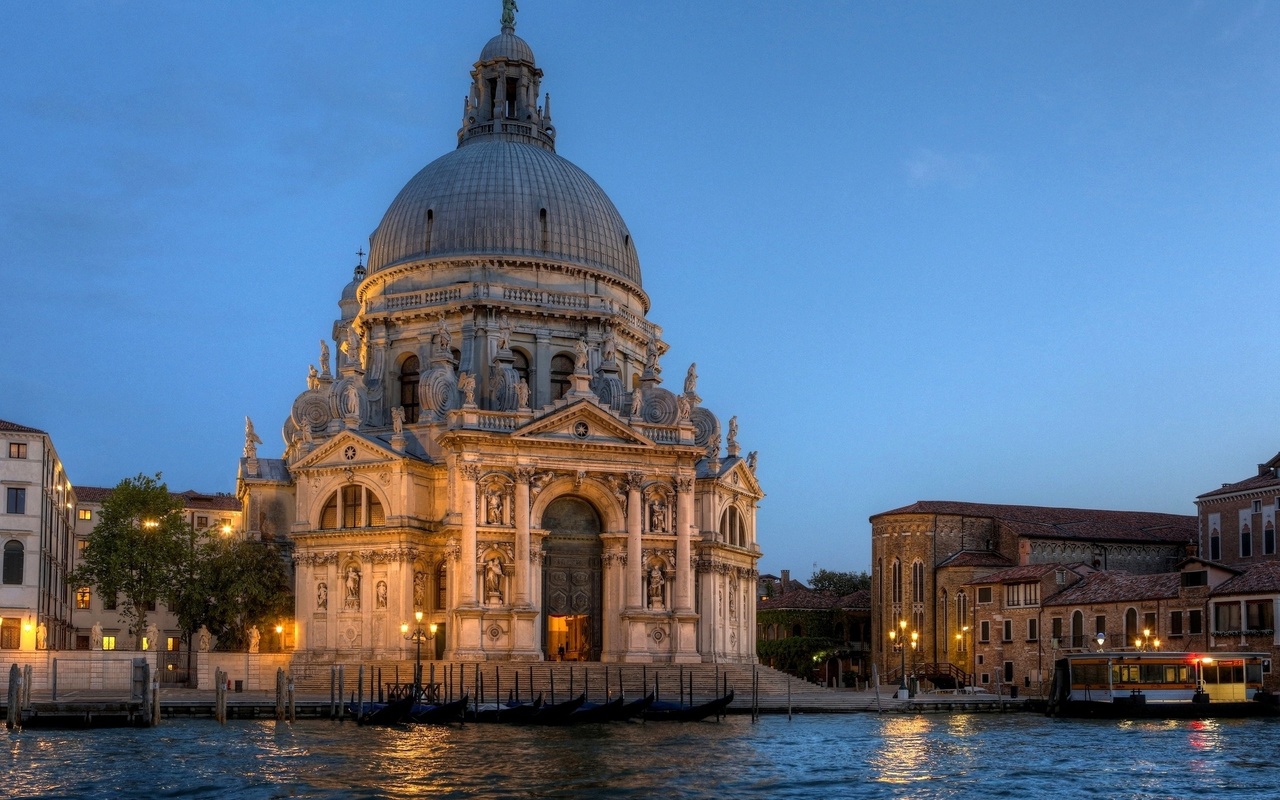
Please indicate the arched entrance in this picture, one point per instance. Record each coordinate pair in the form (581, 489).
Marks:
(572, 608)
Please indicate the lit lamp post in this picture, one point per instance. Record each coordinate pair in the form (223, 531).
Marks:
(280, 638)
(1102, 639)
(960, 647)
(418, 637)
(898, 639)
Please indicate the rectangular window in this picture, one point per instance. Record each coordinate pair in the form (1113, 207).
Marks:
(351, 506)
(1055, 625)
(1175, 623)
(1257, 506)
(17, 449)
(1246, 543)
(1100, 624)
(202, 522)
(984, 594)
(109, 603)
(1008, 672)
(1258, 615)
(1199, 577)
(1149, 623)
(1226, 617)
(984, 631)
(82, 642)
(172, 643)
(1033, 630)
(1269, 541)
(981, 659)
(1195, 621)
(1215, 548)
(986, 678)
(85, 514)
(1012, 595)
(10, 634)
(81, 546)
(15, 500)
(150, 605)
(82, 598)
(109, 642)
(1008, 631)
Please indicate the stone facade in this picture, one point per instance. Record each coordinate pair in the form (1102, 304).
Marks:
(488, 440)
(35, 534)
(1238, 520)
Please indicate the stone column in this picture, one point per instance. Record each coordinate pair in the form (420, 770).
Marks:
(467, 561)
(542, 374)
(684, 534)
(635, 556)
(523, 475)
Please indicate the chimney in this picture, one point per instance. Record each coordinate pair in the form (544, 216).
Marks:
(786, 579)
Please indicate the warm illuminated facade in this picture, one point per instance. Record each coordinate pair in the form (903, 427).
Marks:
(35, 533)
(488, 440)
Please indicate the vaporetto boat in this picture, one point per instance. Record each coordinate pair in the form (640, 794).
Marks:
(1133, 684)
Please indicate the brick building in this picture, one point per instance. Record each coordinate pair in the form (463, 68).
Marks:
(1238, 520)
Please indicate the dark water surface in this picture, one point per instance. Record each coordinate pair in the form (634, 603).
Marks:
(836, 756)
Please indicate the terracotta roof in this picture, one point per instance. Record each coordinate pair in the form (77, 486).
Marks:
(1024, 573)
(1248, 484)
(1264, 577)
(976, 558)
(1066, 523)
(1116, 587)
(801, 599)
(13, 427)
(190, 499)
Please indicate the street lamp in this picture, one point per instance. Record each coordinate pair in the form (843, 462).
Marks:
(898, 639)
(279, 638)
(417, 637)
(1102, 639)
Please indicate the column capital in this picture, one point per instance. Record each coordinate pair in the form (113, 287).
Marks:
(684, 484)
(634, 481)
(471, 472)
(525, 474)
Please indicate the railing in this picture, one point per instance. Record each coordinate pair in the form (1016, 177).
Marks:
(940, 672)
(662, 435)
(498, 422)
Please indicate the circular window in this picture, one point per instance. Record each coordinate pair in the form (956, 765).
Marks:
(581, 430)
(350, 453)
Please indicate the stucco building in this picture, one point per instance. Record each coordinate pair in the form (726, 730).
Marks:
(489, 441)
(35, 533)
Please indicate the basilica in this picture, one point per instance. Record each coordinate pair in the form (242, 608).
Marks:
(486, 437)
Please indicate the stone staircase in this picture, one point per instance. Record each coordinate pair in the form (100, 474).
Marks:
(600, 681)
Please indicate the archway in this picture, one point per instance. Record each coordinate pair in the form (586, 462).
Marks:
(572, 580)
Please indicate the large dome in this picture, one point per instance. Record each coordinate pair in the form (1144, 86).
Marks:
(500, 197)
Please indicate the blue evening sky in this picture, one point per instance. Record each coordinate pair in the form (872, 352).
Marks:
(997, 252)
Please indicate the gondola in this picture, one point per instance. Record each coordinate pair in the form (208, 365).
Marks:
(510, 712)
(392, 713)
(634, 709)
(441, 714)
(674, 712)
(555, 714)
(590, 713)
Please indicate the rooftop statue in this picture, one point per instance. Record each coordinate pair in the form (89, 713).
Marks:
(509, 9)
(251, 440)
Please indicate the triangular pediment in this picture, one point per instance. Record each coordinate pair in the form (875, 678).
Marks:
(347, 449)
(737, 475)
(583, 421)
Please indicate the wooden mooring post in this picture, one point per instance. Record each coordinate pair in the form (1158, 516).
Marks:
(360, 690)
(14, 719)
(280, 694)
(342, 689)
(333, 690)
(220, 696)
(155, 701)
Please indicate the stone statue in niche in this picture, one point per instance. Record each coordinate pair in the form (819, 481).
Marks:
(324, 357)
(313, 378)
(322, 596)
(353, 399)
(580, 355)
(637, 399)
(522, 394)
(493, 507)
(251, 439)
(380, 595)
(691, 379)
(467, 385)
(493, 580)
(420, 591)
(203, 639)
(656, 582)
(733, 598)
(733, 431)
(255, 639)
(353, 589)
(397, 420)
(658, 516)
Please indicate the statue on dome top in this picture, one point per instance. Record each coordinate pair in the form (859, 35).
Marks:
(251, 439)
(509, 9)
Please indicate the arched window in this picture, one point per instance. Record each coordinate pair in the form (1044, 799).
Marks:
(409, 374)
(1077, 629)
(1269, 540)
(962, 616)
(442, 587)
(917, 582)
(1215, 545)
(561, 369)
(1130, 626)
(1246, 542)
(897, 581)
(352, 506)
(731, 528)
(946, 618)
(13, 562)
(520, 364)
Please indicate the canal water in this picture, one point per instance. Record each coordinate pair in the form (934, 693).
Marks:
(818, 756)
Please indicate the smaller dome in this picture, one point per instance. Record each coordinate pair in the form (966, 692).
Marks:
(507, 45)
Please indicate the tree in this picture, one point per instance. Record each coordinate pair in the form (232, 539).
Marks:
(840, 583)
(243, 583)
(133, 552)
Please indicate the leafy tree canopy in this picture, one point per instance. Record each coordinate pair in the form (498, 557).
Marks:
(841, 583)
(132, 551)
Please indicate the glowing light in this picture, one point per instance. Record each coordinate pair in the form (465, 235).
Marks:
(432, 628)
(404, 628)
(418, 616)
